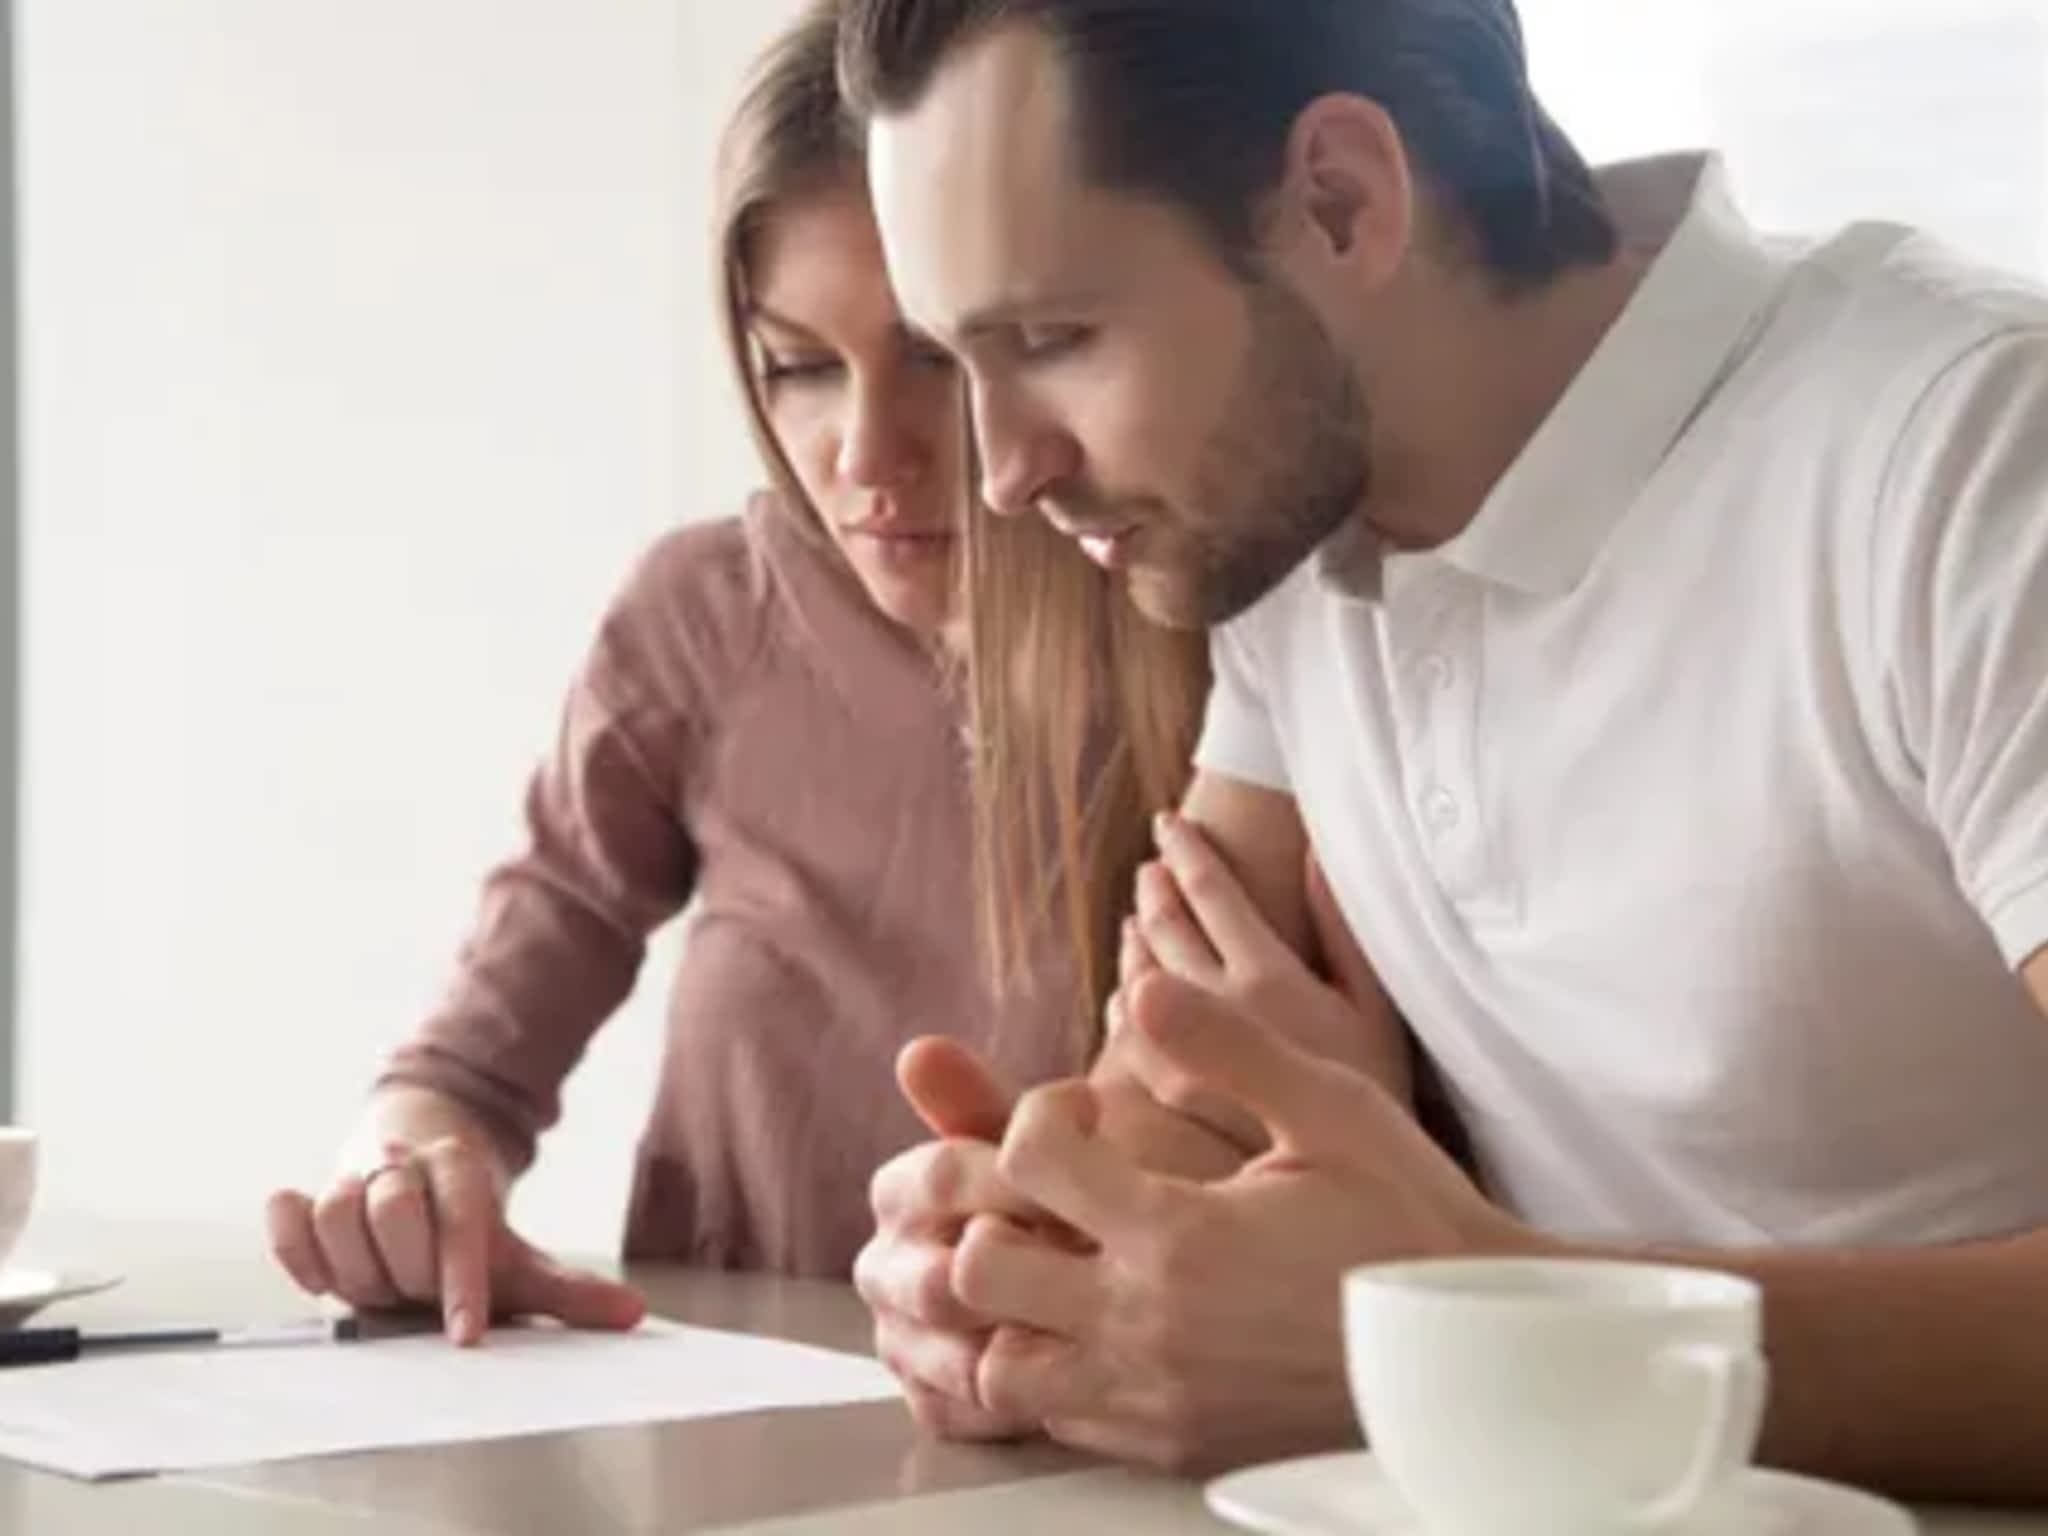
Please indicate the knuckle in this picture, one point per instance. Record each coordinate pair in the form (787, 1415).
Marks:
(1151, 1000)
(1021, 1153)
(1113, 1013)
(297, 1261)
(453, 1170)
(442, 1148)
(1000, 1386)
(897, 1192)
(1037, 1116)
(337, 1204)
(890, 1345)
(285, 1208)
(938, 1184)
(957, 1366)
(945, 1364)
(891, 1283)
(395, 1196)
(1177, 1093)
(1131, 943)
(1035, 1103)
(867, 1265)
(885, 1189)
(935, 1288)
(1202, 883)
(288, 1220)
(298, 1249)
(969, 1279)
(1155, 927)
(936, 1285)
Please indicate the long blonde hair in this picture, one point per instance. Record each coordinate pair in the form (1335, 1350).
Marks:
(1084, 715)
(789, 138)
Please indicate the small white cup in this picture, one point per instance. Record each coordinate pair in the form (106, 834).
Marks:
(1548, 1397)
(17, 1184)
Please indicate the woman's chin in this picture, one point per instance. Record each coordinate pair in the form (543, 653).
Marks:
(921, 603)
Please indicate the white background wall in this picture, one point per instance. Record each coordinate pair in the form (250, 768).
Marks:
(366, 340)
(1930, 111)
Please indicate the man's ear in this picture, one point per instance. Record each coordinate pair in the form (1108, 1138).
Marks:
(1343, 213)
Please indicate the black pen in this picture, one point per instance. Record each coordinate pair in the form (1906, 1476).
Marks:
(49, 1346)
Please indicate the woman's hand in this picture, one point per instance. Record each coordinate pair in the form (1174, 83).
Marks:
(427, 1225)
(1195, 922)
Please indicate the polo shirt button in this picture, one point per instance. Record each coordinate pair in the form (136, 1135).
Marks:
(1441, 811)
(1434, 672)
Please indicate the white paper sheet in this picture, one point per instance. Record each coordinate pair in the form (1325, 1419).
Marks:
(182, 1410)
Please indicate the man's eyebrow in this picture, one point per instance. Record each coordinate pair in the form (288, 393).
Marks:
(1006, 312)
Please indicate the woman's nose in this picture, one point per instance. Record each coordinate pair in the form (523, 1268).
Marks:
(881, 447)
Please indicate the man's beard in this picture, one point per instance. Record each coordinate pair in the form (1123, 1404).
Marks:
(1288, 465)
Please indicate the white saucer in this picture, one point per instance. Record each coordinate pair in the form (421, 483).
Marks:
(25, 1292)
(1347, 1495)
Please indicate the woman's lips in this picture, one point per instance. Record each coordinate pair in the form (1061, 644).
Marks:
(904, 549)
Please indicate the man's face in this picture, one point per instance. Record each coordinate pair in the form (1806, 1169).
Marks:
(1199, 434)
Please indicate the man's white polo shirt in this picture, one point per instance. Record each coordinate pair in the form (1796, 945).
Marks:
(1693, 803)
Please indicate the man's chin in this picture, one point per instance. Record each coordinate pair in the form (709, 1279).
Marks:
(1167, 601)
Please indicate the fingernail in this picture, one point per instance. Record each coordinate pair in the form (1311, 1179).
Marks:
(460, 1324)
(1162, 827)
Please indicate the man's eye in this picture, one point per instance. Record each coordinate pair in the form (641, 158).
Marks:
(1042, 343)
(799, 370)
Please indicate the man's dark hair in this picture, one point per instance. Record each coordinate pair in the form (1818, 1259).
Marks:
(1192, 102)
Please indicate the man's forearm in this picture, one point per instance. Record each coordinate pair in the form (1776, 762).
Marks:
(1922, 1372)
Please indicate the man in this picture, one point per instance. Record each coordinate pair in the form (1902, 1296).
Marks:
(1647, 625)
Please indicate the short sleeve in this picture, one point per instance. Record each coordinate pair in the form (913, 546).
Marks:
(1239, 738)
(1962, 602)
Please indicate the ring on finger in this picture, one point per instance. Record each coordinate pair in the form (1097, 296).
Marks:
(402, 1163)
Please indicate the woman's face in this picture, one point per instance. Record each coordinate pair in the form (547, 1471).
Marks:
(867, 414)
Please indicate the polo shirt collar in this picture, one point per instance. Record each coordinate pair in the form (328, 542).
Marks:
(1547, 518)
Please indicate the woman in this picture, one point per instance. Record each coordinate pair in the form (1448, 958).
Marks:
(764, 729)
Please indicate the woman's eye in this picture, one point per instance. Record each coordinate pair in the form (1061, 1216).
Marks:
(799, 370)
(926, 355)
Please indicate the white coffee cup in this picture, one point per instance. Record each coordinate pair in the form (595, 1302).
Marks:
(1550, 1397)
(17, 1184)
